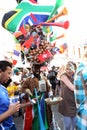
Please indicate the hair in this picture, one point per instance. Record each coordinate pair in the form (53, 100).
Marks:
(85, 54)
(37, 65)
(72, 64)
(4, 64)
(34, 66)
(16, 70)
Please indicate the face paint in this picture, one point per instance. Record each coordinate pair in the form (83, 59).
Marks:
(70, 66)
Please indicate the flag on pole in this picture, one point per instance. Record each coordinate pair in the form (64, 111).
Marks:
(42, 127)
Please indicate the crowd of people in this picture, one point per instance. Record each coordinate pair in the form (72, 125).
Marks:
(32, 88)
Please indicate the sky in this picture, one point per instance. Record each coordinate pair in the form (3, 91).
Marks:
(78, 23)
(6, 38)
(77, 12)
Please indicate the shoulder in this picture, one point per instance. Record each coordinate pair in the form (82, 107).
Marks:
(65, 78)
(82, 70)
(26, 81)
(63, 75)
(84, 73)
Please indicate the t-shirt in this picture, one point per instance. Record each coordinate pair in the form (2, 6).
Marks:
(67, 106)
(11, 90)
(4, 104)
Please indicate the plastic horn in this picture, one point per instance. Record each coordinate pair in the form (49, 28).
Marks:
(63, 24)
(57, 5)
(60, 24)
(63, 12)
(61, 36)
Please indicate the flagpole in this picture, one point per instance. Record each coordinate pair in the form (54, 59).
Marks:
(42, 127)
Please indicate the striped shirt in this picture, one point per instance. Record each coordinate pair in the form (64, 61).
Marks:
(80, 97)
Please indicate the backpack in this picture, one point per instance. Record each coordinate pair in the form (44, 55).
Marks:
(52, 74)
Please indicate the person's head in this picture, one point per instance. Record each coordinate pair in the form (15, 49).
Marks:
(70, 68)
(53, 67)
(36, 70)
(16, 71)
(5, 71)
(85, 57)
(25, 71)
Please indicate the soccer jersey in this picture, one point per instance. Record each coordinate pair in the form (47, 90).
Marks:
(81, 98)
(11, 90)
(4, 104)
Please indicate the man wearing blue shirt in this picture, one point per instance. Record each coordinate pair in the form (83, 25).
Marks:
(6, 109)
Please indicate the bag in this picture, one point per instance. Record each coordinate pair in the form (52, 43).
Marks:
(51, 74)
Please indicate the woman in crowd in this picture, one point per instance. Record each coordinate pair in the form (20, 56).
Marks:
(67, 106)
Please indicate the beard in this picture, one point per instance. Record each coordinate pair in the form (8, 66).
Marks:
(6, 84)
(37, 75)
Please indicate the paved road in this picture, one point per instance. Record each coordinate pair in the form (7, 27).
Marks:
(57, 116)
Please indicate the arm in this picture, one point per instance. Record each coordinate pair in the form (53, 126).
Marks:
(26, 104)
(11, 110)
(65, 79)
